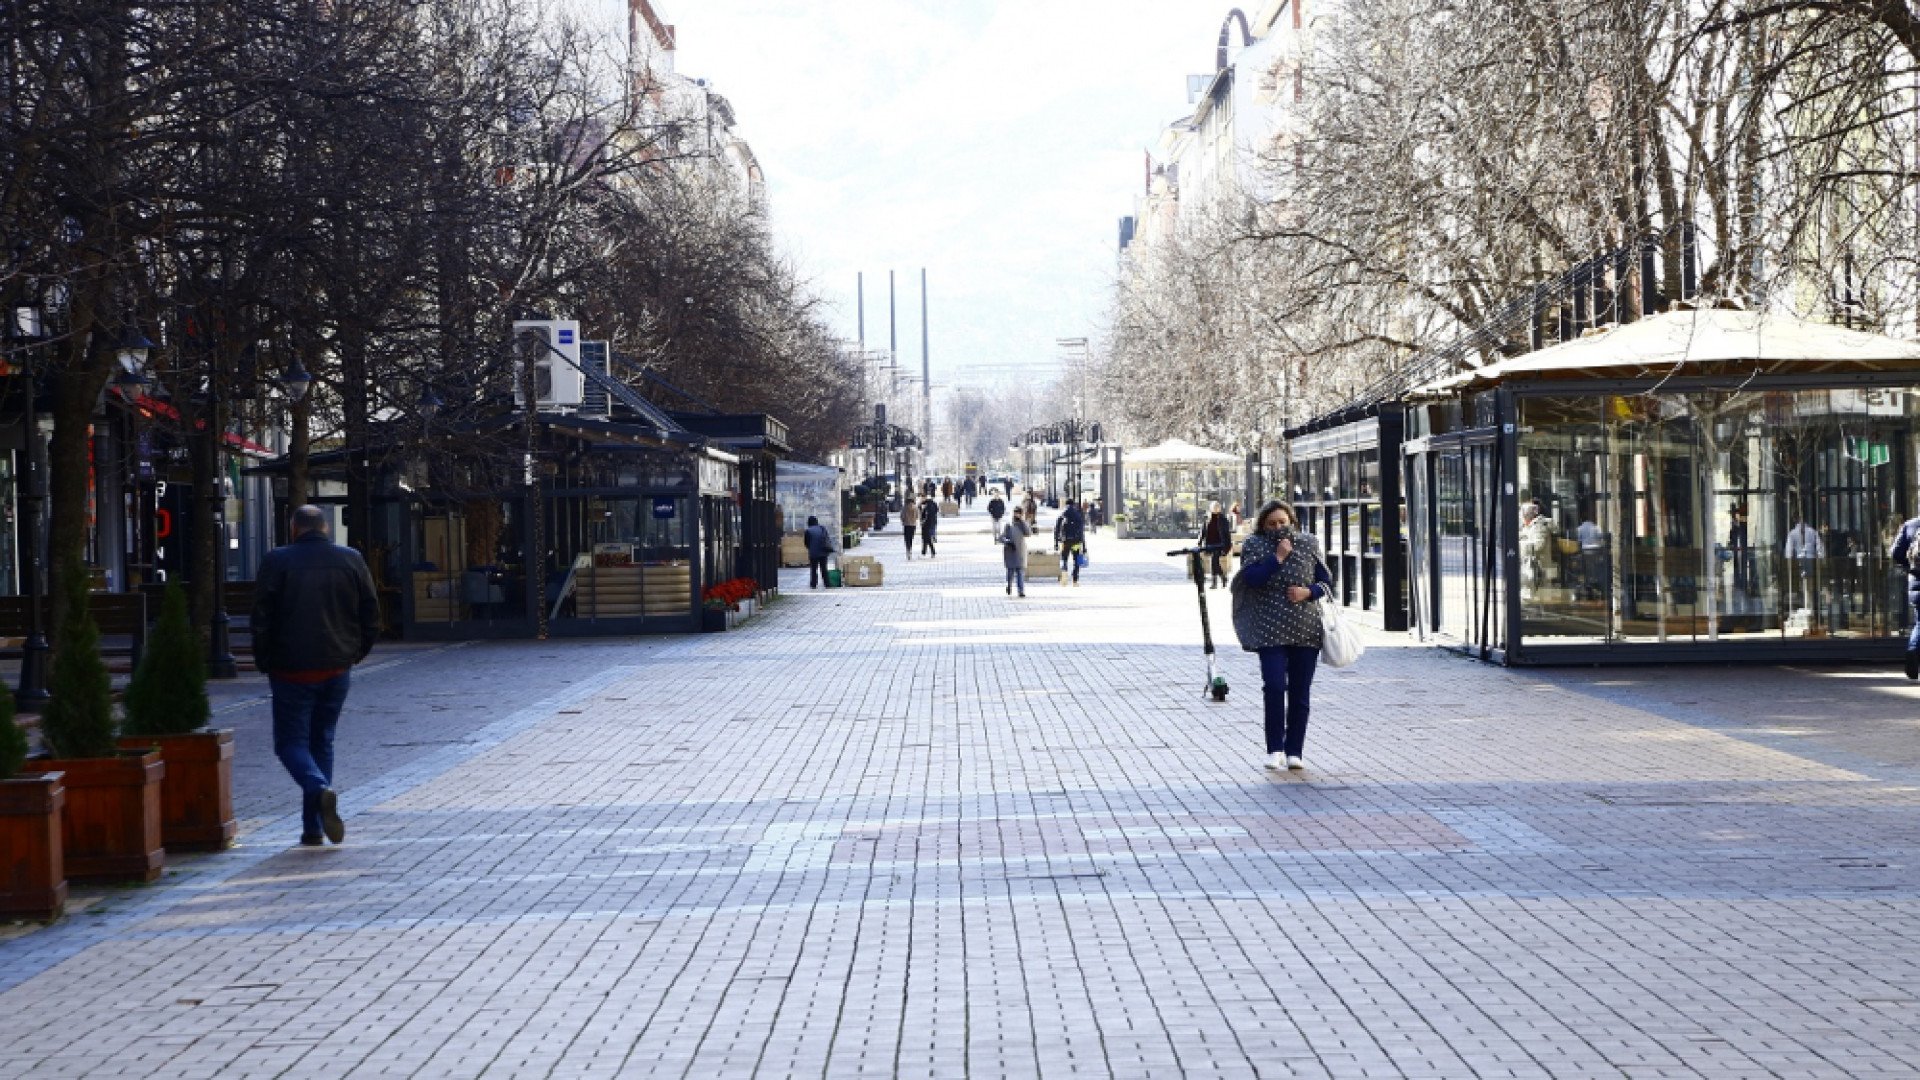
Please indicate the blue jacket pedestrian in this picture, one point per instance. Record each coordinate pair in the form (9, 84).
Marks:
(819, 550)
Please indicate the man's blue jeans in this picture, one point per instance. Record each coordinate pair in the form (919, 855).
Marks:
(1913, 640)
(304, 715)
(1017, 577)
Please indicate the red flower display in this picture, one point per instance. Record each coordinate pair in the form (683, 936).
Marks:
(729, 593)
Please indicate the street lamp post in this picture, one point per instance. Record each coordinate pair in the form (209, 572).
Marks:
(23, 331)
(220, 662)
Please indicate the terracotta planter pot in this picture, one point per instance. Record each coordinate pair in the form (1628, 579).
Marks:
(33, 876)
(111, 828)
(196, 798)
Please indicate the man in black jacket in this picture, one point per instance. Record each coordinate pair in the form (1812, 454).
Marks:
(315, 615)
(819, 550)
(1070, 533)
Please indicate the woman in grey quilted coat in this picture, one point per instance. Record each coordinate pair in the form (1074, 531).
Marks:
(1282, 574)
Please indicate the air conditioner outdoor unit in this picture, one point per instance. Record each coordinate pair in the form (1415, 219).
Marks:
(552, 346)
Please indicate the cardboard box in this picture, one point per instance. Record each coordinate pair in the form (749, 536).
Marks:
(862, 571)
(793, 551)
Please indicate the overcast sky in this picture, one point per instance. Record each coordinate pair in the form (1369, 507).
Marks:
(994, 142)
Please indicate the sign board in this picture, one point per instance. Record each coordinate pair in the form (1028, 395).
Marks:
(663, 506)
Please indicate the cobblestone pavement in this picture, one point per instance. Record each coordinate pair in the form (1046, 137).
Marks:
(930, 830)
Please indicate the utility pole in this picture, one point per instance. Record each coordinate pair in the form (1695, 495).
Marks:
(860, 305)
(926, 365)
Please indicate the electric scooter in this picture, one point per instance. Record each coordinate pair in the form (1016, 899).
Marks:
(1216, 684)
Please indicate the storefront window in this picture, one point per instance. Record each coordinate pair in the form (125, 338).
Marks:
(1715, 515)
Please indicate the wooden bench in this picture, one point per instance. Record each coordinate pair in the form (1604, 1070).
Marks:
(122, 618)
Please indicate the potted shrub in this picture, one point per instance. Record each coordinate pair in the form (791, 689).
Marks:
(33, 879)
(111, 828)
(167, 709)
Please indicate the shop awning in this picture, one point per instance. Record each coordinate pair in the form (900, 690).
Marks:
(1702, 341)
(155, 407)
(1179, 452)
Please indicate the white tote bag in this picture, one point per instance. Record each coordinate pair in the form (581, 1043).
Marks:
(1340, 643)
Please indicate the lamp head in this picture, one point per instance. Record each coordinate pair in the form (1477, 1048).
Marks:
(296, 381)
(134, 348)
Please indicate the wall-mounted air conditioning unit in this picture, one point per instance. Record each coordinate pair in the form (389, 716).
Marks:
(552, 346)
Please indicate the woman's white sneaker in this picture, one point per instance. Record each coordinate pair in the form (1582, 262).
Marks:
(1294, 762)
(1276, 761)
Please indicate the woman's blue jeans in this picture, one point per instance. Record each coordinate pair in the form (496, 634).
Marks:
(1286, 675)
(1017, 577)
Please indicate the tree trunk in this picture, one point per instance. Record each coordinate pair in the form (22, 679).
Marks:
(299, 447)
(78, 385)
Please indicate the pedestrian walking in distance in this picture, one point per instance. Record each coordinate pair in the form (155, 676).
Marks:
(1906, 554)
(819, 550)
(315, 615)
(929, 524)
(1217, 534)
(1070, 534)
(909, 522)
(996, 509)
(1282, 574)
(1013, 551)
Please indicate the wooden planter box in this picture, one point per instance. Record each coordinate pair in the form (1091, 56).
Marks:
(111, 828)
(33, 877)
(196, 797)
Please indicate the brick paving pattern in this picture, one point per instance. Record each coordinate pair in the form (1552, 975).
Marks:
(930, 831)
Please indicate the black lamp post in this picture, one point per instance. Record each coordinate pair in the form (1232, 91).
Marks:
(220, 662)
(24, 330)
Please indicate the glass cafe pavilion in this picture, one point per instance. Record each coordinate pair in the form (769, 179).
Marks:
(1696, 485)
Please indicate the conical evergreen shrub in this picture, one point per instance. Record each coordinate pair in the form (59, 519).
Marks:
(78, 720)
(168, 694)
(13, 741)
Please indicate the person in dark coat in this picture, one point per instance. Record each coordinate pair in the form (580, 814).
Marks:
(929, 524)
(1281, 574)
(1906, 556)
(819, 550)
(1013, 553)
(996, 509)
(315, 615)
(1217, 534)
(1070, 534)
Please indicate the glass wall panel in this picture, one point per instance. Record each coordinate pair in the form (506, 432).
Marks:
(1419, 540)
(1714, 516)
(1453, 543)
(1566, 547)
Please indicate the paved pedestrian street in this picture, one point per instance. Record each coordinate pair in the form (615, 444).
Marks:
(928, 830)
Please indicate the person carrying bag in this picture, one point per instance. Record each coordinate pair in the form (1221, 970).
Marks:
(1278, 596)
